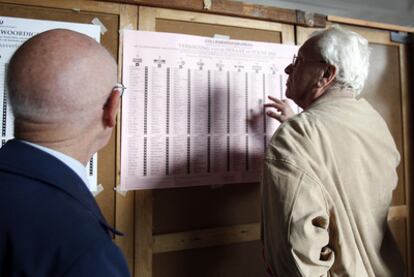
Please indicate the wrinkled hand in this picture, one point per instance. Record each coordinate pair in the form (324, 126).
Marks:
(282, 106)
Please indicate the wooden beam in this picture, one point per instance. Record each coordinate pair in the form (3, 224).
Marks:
(206, 238)
(397, 213)
(228, 235)
(227, 7)
(371, 24)
(213, 19)
(124, 205)
(143, 234)
(75, 5)
(406, 88)
(310, 19)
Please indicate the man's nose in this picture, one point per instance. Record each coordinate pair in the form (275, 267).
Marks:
(288, 69)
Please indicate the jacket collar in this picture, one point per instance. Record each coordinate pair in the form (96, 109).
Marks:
(25, 160)
(332, 95)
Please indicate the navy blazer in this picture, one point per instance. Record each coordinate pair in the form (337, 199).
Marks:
(50, 224)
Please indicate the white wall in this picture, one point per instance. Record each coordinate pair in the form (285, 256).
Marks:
(400, 12)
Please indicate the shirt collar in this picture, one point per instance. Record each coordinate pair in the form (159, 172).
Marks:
(73, 164)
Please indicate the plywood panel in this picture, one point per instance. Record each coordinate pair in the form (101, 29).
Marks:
(244, 259)
(398, 228)
(237, 9)
(409, 70)
(186, 209)
(124, 204)
(203, 207)
(202, 29)
(383, 91)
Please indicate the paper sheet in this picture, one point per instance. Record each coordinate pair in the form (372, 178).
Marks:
(192, 113)
(14, 32)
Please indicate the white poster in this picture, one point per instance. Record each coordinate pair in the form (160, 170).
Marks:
(193, 111)
(15, 31)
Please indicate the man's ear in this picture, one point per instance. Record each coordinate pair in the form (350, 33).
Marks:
(327, 76)
(111, 109)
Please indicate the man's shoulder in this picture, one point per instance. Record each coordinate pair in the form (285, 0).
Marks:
(42, 209)
(39, 206)
(47, 223)
(296, 130)
(77, 248)
(302, 122)
(20, 159)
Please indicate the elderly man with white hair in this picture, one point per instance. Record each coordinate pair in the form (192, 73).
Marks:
(330, 171)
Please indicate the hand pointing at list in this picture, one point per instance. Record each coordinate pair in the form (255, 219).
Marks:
(284, 110)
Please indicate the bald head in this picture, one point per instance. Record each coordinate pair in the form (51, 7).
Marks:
(60, 85)
(59, 74)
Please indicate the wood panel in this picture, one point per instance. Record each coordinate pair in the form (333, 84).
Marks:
(191, 208)
(226, 7)
(202, 29)
(383, 91)
(243, 259)
(166, 228)
(409, 61)
(73, 5)
(366, 23)
(239, 233)
(206, 238)
(124, 203)
(195, 217)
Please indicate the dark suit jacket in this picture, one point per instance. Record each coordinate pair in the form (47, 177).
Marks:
(50, 224)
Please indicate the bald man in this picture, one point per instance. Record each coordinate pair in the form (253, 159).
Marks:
(63, 93)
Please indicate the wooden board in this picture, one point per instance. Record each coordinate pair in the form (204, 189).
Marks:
(235, 8)
(243, 259)
(207, 208)
(166, 228)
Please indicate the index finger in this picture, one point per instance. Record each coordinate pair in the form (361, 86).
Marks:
(274, 99)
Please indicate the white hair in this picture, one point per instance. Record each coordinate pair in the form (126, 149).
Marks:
(349, 52)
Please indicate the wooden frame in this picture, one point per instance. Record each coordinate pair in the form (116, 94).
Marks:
(149, 15)
(370, 24)
(206, 238)
(219, 236)
(124, 203)
(407, 133)
(134, 210)
(75, 5)
(147, 244)
(236, 9)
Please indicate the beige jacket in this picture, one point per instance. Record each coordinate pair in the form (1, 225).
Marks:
(328, 178)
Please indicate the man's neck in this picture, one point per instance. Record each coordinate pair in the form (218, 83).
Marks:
(332, 94)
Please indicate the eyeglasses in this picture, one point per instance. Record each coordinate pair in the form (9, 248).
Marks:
(120, 87)
(296, 59)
